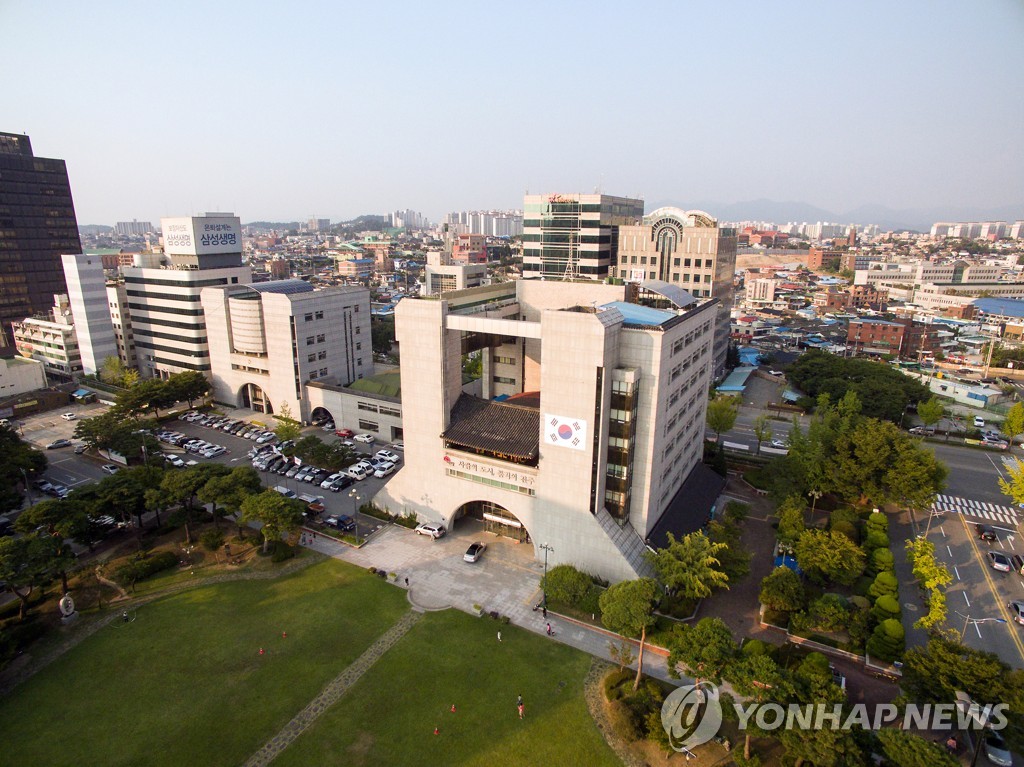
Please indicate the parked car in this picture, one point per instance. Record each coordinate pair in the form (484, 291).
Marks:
(43, 485)
(214, 451)
(996, 750)
(110, 468)
(775, 373)
(283, 468)
(68, 416)
(1016, 611)
(341, 522)
(357, 472)
(268, 437)
(474, 552)
(318, 477)
(328, 427)
(999, 562)
(341, 483)
(923, 431)
(59, 443)
(384, 470)
(292, 471)
(435, 531)
(400, 445)
(387, 455)
(367, 439)
(986, 532)
(174, 460)
(344, 432)
(326, 483)
(284, 491)
(79, 449)
(979, 422)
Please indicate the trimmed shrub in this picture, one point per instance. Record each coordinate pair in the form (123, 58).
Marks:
(877, 521)
(829, 613)
(614, 683)
(564, 583)
(846, 528)
(886, 607)
(882, 561)
(876, 539)
(885, 583)
(782, 590)
(142, 566)
(212, 540)
(754, 647)
(887, 641)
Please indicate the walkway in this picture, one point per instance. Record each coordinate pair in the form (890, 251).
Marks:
(333, 691)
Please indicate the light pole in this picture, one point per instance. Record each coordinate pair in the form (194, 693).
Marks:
(28, 490)
(356, 498)
(546, 549)
(968, 620)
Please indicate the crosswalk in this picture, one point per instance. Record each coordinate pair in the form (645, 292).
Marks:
(993, 512)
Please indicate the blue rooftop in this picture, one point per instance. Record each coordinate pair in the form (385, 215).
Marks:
(736, 381)
(282, 286)
(1009, 307)
(634, 314)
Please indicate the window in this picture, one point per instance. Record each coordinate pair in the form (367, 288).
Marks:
(675, 276)
(503, 380)
(359, 361)
(309, 340)
(308, 317)
(323, 372)
(707, 278)
(675, 262)
(359, 345)
(686, 277)
(321, 356)
(320, 315)
(643, 260)
(505, 360)
(312, 375)
(686, 262)
(708, 263)
(368, 425)
(311, 357)
(358, 330)
(320, 338)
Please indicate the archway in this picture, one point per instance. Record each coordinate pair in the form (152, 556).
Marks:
(496, 519)
(252, 396)
(321, 415)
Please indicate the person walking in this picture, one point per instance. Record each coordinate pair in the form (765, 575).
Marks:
(520, 706)
(544, 612)
(499, 636)
(550, 632)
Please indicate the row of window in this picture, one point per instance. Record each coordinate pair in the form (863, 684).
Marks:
(162, 310)
(314, 356)
(310, 316)
(491, 482)
(313, 374)
(504, 360)
(503, 380)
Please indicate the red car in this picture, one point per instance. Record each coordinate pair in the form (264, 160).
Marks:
(344, 432)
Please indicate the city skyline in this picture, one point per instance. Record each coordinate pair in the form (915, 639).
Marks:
(334, 112)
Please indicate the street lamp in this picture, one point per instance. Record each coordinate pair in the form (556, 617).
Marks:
(356, 498)
(28, 490)
(968, 620)
(546, 549)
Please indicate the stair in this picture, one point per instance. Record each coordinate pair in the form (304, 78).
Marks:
(628, 542)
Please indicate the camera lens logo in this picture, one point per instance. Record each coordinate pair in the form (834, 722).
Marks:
(691, 715)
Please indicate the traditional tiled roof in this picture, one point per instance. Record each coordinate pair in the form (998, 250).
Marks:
(496, 427)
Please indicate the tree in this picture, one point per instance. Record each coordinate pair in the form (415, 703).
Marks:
(230, 491)
(722, 412)
(759, 679)
(18, 460)
(287, 427)
(382, 334)
(689, 566)
(791, 519)
(112, 371)
(703, 649)
(189, 385)
(906, 749)
(1013, 424)
(782, 590)
(762, 430)
(1014, 485)
(628, 608)
(829, 556)
(181, 487)
(24, 564)
(277, 515)
(931, 411)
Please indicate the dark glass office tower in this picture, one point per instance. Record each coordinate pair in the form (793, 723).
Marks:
(37, 226)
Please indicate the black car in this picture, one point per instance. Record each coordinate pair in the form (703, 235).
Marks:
(58, 443)
(342, 522)
(986, 533)
(341, 483)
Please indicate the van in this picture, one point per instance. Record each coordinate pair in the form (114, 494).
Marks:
(284, 491)
(357, 472)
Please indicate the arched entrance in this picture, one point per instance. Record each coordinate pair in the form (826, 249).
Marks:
(252, 396)
(496, 519)
(321, 415)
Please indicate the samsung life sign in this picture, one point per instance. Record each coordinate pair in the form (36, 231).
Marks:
(199, 235)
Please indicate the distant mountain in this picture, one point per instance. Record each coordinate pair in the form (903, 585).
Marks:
(914, 219)
(94, 229)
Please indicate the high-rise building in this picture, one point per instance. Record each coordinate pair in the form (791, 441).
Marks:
(688, 249)
(87, 293)
(569, 236)
(167, 317)
(597, 448)
(268, 339)
(37, 226)
(133, 228)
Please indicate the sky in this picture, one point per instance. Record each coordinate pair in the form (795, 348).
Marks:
(284, 111)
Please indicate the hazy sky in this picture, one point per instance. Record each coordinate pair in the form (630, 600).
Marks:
(283, 110)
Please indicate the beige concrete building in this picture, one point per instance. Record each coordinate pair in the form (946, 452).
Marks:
(268, 339)
(51, 340)
(20, 376)
(371, 405)
(605, 423)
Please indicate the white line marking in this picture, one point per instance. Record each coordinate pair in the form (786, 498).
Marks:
(968, 601)
(950, 551)
(957, 573)
(978, 630)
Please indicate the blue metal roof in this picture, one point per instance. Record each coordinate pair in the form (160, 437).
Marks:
(282, 286)
(1009, 307)
(634, 314)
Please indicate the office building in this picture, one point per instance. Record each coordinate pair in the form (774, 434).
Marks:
(267, 340)
(87, 294)
(168, 323)
(590, 423)
(133, 228)
(50, 339)
(121, 320)
(570, 236)
(37, 226)
(688, 249)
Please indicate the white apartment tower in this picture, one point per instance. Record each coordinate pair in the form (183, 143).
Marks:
(87, 293)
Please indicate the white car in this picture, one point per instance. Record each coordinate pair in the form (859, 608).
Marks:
(435, 531)
(384, 469)
(357, 472)
(331, 479)
(780, 444)
(387, 455)
(68, 416)
(400, 445)
(365, 438)
(775, 373)
(110, 468)
(174, 460)
(214, 451)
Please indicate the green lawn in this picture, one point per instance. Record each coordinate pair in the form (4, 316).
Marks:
(388, 717)
(184, 683)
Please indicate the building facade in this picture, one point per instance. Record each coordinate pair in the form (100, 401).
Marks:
(168, 324)
(87, 293)
(37, 226)
(574, 235)
(606, 424)
(442, 278)
(121, 320)
(268, 339)
(50, 339)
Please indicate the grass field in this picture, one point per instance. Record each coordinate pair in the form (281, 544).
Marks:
(388, 717)
(184, 683)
